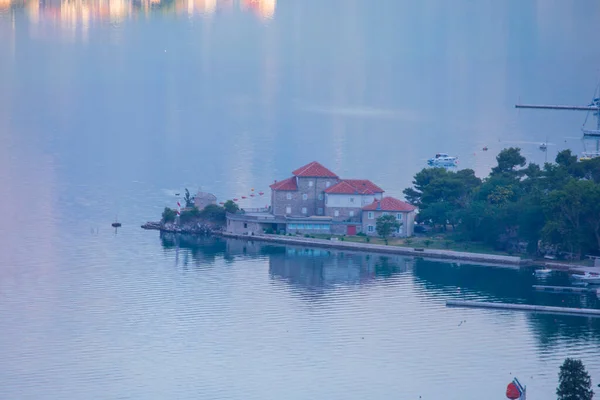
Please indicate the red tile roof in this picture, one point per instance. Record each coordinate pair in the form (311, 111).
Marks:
(354, 186)
(286, 184)
(365, 184)
(389, 204)
(315, 170)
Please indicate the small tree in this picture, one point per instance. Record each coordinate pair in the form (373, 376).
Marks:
(386, 225)
(189, 200)
(168, 215)
(574, 382)
(231, 207)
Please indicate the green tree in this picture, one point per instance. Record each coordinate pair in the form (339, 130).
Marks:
(189, 200)
(574, 382)
(231, 207)
(168, 215)
(213, 213)
(508, 160)
(386, 225)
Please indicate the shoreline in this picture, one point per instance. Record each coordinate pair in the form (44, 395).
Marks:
(485, 259)
(397, 250)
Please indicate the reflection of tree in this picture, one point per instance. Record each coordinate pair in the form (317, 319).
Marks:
(200, 248)
(512, 286)
(552, 330)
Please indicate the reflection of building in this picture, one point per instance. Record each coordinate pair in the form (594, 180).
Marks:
(264, 8)
(316, 200)
(319, 268)
(71, 13)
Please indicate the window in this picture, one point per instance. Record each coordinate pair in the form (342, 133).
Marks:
(370, 215)
(400, 231)
(303, 210)
(326, 226)
(304, 196)
(385, 213)
(245, 225)
(309, 226)
(336, 213)
(399, 217)
(320, 196)
(370, 228)
(327, 184)
(320, 211)
(289, 196)
(310, 183)
(351, 199)
(292, 226)
(351, 213)
(288, 210)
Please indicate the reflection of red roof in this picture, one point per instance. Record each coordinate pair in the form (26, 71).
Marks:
(286, 184)
(389, 204)
(315, 170)
(354, 186)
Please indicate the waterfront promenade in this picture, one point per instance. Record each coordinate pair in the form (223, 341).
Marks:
(378, 248)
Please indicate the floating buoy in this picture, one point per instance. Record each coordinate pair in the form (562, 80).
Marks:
(235, 199)
(243, 197)
(252, 195)
(485, 148)
(116, 224)
(261, 193)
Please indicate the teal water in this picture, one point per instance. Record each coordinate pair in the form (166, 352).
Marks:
(109, 108)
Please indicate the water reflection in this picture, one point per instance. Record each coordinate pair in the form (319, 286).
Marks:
(310, 269)
(318, 269)
(115, 10)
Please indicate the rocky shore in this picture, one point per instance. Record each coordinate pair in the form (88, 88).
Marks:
(197, 228)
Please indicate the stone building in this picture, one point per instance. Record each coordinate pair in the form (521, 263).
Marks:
(316, 200)
(404, 213)
(202, 199)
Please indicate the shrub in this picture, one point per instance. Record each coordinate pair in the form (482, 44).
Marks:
(427, 242)
(269, 231)
(189, 215)
(368, 239)
(212, 212)
(447, 243)
(408, 241)
(361, 234)
(342, 238)
(231, 207)
(168, 215)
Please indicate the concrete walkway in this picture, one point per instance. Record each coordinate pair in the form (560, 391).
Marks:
(378, 248)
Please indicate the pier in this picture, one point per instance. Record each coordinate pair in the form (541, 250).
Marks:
(525, 307)
(565, 289)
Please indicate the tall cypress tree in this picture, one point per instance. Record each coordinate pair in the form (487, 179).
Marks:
(574, 383)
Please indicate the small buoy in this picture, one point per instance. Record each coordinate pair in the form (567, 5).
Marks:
(116, 224)
(485, 148)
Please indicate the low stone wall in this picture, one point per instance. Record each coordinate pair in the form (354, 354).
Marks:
(377, 248)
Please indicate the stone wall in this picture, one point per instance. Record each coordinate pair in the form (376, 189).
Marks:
(344, 213)
(313, 188)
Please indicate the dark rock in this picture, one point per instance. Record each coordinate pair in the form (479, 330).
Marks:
(197, 228)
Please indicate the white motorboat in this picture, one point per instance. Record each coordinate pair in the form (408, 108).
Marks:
(442, 159)
(592, 279)
(543, 273)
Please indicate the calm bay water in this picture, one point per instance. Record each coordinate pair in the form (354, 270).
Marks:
(107, 109)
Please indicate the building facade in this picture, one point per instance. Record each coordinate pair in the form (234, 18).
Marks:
(314, 200)
(404, 213)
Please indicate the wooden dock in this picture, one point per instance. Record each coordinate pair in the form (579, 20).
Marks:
(564, 289)
(525, 307)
